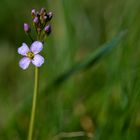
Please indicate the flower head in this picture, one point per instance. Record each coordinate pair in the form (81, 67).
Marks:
(31, 55)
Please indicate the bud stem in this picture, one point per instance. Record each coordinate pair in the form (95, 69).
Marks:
(30, 37)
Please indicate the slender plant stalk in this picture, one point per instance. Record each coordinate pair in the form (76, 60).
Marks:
(36, 87)
(40, 22)
(30, 37)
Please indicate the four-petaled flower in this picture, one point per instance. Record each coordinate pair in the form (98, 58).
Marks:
(31, 55)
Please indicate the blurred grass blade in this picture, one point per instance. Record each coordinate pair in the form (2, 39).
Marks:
(91, 59)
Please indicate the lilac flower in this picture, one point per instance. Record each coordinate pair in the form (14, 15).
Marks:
(31, 55)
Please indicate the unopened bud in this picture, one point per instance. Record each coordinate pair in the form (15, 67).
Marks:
(44, 18)
(37, 14)
(49, 15)
(48, 29)
(33, 13)
(42, 11)
(36, 20)
(26, 27)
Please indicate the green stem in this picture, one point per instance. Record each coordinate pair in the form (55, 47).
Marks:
(30, 37)
(36, 87)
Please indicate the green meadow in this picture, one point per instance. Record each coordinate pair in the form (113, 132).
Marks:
(90, 81)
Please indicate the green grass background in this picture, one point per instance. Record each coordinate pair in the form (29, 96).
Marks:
(101, 100)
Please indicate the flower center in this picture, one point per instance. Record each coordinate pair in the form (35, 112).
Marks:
(30, 55)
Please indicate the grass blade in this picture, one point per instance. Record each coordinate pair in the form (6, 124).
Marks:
(91, 59)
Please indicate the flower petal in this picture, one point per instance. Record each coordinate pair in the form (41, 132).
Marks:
(23, 49)
(24, 63)
(36, 47)
(38, 60)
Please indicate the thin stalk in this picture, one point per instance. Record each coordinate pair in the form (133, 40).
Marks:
(36, 87)
(30, 37)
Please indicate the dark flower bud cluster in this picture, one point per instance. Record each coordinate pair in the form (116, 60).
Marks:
(40, 21)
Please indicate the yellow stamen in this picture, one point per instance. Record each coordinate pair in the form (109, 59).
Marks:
(30, 55)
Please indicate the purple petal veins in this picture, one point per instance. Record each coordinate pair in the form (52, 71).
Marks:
(38, 60)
